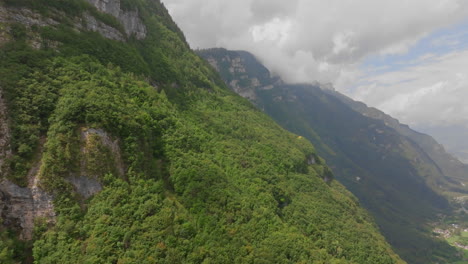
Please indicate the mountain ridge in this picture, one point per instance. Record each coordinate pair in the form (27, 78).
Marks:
(394, 178)
(449, 165)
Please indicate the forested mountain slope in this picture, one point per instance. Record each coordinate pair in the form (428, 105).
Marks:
(119, 145)
(390, 172)
(455, 172)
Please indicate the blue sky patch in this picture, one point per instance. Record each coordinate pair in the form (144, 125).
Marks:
(438, 43)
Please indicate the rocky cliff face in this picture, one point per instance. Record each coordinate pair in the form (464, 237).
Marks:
(100, 154)
(130, 19)
(23, 16)
(20, 207)
(236, 69)
(92, 24)
(111, 7)
(132, 24)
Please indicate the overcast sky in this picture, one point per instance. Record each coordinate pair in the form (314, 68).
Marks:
(406, 57)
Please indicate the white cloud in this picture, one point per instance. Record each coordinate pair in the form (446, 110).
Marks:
(276, 30)
(336, 33)
(342, 42)
(433, 93)
(326, 41)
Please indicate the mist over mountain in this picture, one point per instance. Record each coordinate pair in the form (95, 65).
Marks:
(452, 137)
(405, 58)
(404, 178)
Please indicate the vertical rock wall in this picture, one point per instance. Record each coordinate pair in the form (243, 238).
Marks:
(111, 7)
(20, 206)
(130, 19)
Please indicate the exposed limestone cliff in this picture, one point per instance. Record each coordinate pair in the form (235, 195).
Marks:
(236, 68)
(109, 32)
(111, 7)
(130, 19)
(21, 207)
(85, 186)
(132, 24)
(100, 155)
(99, 140)
(24, 17)
(213, 62)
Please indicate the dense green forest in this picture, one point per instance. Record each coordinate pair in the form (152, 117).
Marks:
(392, 176)
(206, 177)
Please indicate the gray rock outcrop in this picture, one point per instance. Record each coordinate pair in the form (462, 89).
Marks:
(85, 186)
(111, 144)
(21, 206)
(87, 183)
(111, 7)
(132, 24)
(25, 17)
(130, 19)
(109, 32)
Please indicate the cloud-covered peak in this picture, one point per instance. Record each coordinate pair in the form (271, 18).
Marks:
(336, 32)
(408, 58)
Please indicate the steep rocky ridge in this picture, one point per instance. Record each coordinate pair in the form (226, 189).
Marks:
(21, 207)
(241, 72)
(102, 28)
(450, 166)
(130, 19)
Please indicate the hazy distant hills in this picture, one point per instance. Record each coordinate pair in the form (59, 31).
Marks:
(404, 178)
(455, 172)
(453, 137)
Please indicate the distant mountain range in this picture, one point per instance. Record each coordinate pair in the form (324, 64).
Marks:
(453, 137)
(404, 178)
